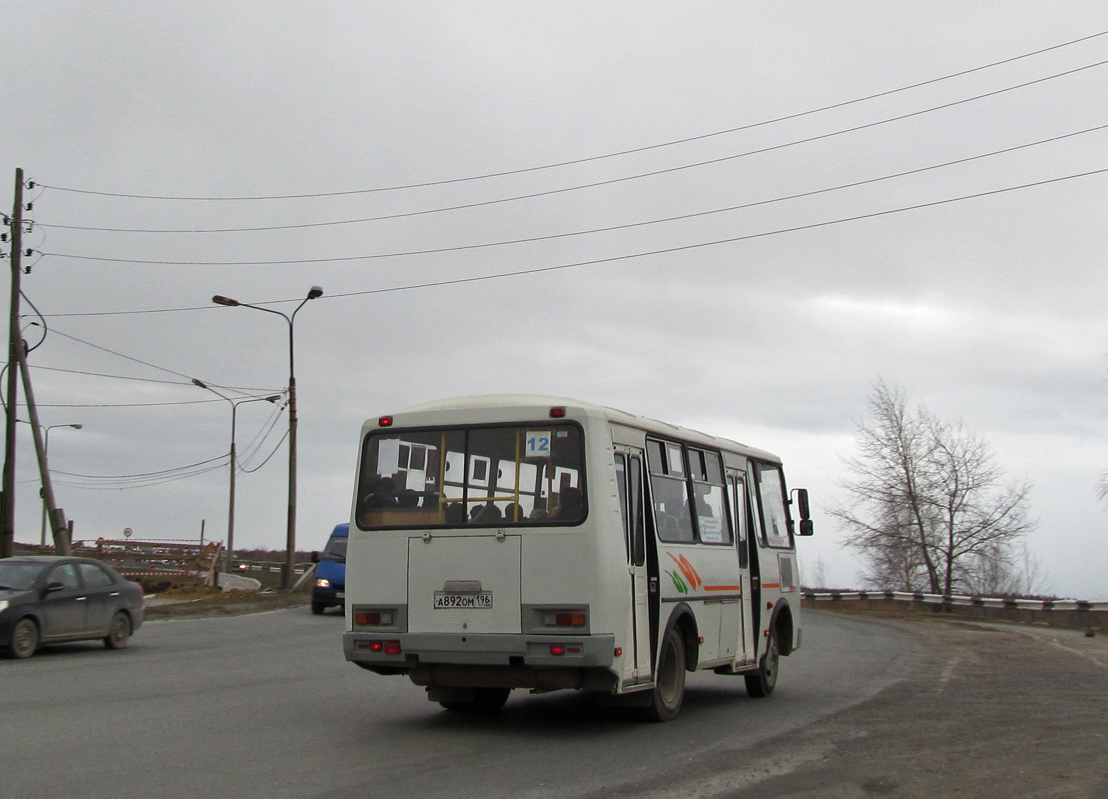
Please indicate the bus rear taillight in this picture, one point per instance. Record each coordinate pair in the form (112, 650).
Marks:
(372, 618)
(388, 647)
(384, 421)
(565, 619)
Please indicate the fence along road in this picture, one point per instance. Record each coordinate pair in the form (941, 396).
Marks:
(265, 705)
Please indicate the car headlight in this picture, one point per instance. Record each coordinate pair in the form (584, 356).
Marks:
(322, 582)
(3, 605)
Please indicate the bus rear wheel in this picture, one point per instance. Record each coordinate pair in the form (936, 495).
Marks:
(761, 682)
(669, 683)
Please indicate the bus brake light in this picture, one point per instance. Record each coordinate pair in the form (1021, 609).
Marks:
(384, 421)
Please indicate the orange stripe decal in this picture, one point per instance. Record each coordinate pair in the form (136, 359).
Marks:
(771, 585)
(722, 588)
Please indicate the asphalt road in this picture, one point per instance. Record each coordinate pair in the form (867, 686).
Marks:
(265, 705)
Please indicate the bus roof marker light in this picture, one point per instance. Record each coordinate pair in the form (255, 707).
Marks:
(384, 421)
(557, 413)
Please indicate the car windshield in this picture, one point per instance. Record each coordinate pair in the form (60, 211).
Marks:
(336, 548)
(19, 575)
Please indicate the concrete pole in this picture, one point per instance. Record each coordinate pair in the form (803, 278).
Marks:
(15, 345)
(56, 514)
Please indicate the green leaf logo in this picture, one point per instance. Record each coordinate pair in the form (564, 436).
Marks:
(678, 583)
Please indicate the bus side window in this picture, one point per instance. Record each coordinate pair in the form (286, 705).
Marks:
(709, 500)
(736, 500)
(638, 529)
(771, 501)
(672, 514)
(621, 486)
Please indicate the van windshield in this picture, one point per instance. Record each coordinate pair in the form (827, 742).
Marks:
(467, 477)
(336, 548)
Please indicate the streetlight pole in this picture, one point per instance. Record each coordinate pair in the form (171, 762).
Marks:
(46, 457)
(229, 557)
(290, 538)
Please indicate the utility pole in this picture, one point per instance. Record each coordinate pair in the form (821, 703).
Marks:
(15, 345)
(62, 543)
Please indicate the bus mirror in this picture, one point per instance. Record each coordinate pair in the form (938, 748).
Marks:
(806, 527)
(315, 557)
(802, 503)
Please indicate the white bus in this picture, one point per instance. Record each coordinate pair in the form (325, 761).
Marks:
(548, 543)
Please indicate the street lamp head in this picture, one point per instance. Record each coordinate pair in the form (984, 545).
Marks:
(76, 426)
(219, 299)
(274, 398)
(315, 292)
(196, 382)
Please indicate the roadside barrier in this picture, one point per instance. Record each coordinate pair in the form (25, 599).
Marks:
(1076, 614)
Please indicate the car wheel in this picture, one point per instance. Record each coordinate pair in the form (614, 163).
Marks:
(318, 608)
(669, 683)
(24, 640)
(762, 682)
(120, 631)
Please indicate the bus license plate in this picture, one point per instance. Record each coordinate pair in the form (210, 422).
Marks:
(479, 600)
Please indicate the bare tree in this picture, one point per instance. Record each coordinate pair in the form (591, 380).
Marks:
(926, 506)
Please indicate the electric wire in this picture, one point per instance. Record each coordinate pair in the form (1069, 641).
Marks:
(270, 455)
(578, 187)
(123, 404)
(588, 159)
(632, 256)
(45, 328)
(138, 474)
(607, 229)
(137, 484)
(255, 444)
(237, 389)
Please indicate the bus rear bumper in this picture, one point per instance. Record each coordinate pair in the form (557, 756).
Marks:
(489, 660)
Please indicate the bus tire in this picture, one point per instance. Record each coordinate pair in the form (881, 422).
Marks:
(761, 683)
(669, 683)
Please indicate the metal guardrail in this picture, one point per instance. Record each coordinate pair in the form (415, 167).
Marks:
(957, 600)
(1074, 614)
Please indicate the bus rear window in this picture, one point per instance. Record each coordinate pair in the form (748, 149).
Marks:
(465, 477)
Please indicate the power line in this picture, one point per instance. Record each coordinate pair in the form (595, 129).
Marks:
(588, 159)
(238, 389)
(550, 192)
(124, 404)
(138, 484)
(114, 377)
(608, 229)
(139, 474)
(631, 256)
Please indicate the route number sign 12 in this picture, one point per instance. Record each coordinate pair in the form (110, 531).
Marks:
(537, 445)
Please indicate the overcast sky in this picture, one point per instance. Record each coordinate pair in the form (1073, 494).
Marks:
(767, 323)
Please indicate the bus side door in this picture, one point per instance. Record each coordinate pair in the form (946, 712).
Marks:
(629, 479)
(737, 499)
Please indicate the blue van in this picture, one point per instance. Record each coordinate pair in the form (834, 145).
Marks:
(330, 571)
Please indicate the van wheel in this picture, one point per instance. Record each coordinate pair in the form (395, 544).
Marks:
(669, 684)
(761, 683)
(318, 608)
